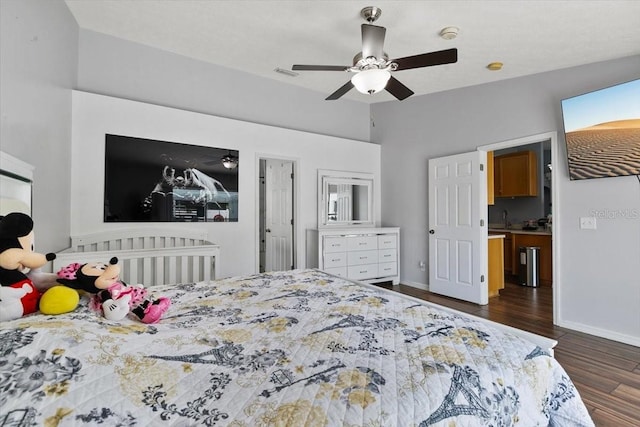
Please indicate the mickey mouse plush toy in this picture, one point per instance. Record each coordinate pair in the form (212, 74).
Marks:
(19, 295)
(114, 298)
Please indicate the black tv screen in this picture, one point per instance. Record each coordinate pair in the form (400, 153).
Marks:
(602, 132)
(157, 181)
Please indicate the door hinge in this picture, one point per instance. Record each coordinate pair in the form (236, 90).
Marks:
(482, 223)
(481, 167)
(292, 175)
(482, 278)
(292, 222)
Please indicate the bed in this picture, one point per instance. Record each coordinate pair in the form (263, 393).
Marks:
(295, 348)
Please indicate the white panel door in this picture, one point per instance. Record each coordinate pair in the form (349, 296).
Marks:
(457, 227)
(279, 215)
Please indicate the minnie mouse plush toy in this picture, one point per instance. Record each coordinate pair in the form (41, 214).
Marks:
(113, 297)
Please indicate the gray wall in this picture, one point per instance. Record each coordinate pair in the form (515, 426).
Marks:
(600, 269)
(38, 67)
(115, 67)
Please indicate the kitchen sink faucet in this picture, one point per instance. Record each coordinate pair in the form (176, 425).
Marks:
(505, 218)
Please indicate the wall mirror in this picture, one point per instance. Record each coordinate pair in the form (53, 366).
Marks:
(345, 199)
(16, 179)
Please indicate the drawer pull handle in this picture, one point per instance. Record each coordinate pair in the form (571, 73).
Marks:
(362, 272)
(363, 257)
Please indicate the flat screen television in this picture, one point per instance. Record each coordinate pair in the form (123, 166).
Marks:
(602, 132)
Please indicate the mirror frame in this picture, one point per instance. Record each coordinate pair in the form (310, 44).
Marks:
(327, 177)
(16, 188)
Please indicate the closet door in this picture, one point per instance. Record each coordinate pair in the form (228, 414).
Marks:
(278, 215)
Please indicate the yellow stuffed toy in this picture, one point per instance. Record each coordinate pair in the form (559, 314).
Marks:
(59, 299)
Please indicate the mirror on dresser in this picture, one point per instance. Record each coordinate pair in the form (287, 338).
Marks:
(16, 179)
(345, 199)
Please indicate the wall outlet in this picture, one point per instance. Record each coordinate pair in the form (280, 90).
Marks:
(422, 266)
(588, 223)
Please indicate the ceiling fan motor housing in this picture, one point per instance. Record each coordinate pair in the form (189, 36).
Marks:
(371, 13)
(361, 64)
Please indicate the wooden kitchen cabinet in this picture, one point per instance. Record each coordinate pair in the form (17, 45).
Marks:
(495, 274)
(490, 179)
(508, 253)
(516, 174)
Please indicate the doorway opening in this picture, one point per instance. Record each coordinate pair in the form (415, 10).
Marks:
(276, 210)
(529, 221)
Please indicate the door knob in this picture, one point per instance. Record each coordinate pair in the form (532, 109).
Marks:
(268, 230)
(432, 232)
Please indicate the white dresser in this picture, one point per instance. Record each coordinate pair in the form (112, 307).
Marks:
(369, 255)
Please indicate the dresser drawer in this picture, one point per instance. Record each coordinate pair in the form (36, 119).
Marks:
(387, 241)
(362, 257)
(362, 243)
(335, 259)
(369, 255)
(337, 271)
(359, 272)
(387, 269)
(387, 255)
(334, 244)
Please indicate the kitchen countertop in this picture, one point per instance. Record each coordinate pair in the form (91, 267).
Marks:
(496, 236)
(542, 232)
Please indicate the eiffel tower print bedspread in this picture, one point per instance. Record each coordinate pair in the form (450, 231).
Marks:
(297, 348)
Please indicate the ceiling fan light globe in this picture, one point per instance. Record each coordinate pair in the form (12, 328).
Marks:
(230, 162)
(371, 81)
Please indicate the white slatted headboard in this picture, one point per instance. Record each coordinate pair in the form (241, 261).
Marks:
(148, 256)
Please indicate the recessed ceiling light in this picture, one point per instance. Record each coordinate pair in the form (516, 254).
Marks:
(449, 33)
(495, 66)
(286, 72)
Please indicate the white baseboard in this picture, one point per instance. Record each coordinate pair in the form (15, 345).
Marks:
(422, 286)
(602, 333)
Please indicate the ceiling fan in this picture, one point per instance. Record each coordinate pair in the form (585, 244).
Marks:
(372, 66)
(229, 161)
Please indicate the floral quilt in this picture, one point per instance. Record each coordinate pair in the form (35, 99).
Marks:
(297, 348)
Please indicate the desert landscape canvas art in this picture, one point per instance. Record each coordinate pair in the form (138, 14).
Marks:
(606, 149)
(602, 132)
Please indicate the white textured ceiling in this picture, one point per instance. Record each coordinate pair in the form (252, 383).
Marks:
(258, 36)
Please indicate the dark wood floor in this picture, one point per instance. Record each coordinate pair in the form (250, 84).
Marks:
(606, 373)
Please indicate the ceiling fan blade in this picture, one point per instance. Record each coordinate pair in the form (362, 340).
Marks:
(337, 94)
(372, 40)
(397, 89)
(320, 67)
(440, 57)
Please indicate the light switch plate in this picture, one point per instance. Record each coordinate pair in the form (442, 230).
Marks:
(588, 223)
